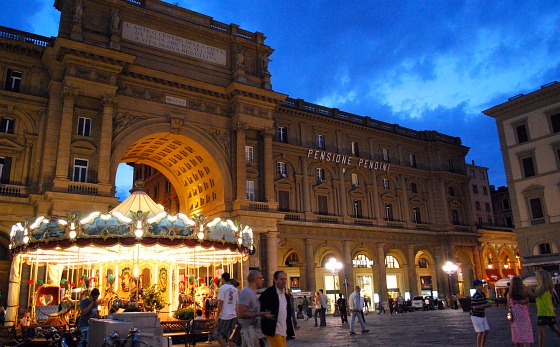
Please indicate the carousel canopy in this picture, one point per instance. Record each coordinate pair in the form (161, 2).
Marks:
(139, 225)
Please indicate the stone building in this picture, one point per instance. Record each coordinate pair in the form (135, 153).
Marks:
(188, 101)
(529, 131)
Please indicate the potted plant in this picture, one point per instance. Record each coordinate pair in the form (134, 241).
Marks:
(184, 313)
(153, 299)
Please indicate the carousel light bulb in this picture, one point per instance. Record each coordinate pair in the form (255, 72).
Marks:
(200, 235)
(10, 246)
(240, 241)
(72, 234)
(26, 239)
(72, 226)
(138, 233)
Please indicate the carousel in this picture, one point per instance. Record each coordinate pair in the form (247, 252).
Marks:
(137, 255)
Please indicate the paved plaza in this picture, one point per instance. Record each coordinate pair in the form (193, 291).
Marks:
(422, 328)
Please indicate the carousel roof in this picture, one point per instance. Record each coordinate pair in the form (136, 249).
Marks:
(138, 222)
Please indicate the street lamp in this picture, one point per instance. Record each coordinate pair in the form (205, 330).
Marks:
(334, 266)
(450, 268)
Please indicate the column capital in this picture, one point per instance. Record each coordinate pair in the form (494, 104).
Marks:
(109, 100)
(69, 93)
(267, 132)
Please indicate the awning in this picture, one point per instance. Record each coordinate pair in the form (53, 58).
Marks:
(534, 260)
(492, 275)
(508, 273)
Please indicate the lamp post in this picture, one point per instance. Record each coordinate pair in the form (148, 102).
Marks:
(334, 266)
(450, 268)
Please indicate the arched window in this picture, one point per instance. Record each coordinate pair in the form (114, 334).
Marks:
(423, 263)
(292, 259)
(391, 262)
(544, 248)
(451, 191)
(414, 188)
(361, 260)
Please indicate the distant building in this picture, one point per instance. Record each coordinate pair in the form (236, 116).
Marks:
(529, 131)
(481, 202)
(501, 204)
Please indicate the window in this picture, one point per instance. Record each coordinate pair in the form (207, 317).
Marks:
(451, 191)
(485, 190)
(388, 212)
(544, 248)
(528, 167)
(292, 260)
(80, 170)
(451, 165)
(283, 134)
(521, 132)
(391, 262)
(423, 263)
(386, 184)
(282, 169)
(385, 154)
(455, 217)
(320, 174)
(355, 149)
(5, 168)
(283, 200)
(505, 204)
(477, 205)
(250, 189)
(167, 187)
(487, 207)
(537, 211)
(249, 154)
(416, 215)
(361, 260)
(414, 188)
(357, 208)
(156, 192)
(472, 174)
(355, 180)
(7, 125)
(84, 126)
(13, 80)
(320, 141)
(412, 158)
(555, 122)
(479, 220)
(322, 204)
(475, 189)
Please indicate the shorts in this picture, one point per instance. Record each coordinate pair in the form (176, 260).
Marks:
(480, 324)
(224, 328)
(546, 320)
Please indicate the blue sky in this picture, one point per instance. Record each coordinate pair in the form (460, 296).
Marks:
(425, 65)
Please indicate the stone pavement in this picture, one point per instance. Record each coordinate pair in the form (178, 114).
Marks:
(421, 328)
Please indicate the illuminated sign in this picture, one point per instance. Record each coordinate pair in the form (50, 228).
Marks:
(361, 263)
(347, 160)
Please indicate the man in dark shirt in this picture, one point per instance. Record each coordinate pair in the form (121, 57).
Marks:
(88, 309)
(341, 303)
(478, 318)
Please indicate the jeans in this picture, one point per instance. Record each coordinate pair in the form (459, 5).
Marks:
(323, 316)
(318, 312)
(356, 313)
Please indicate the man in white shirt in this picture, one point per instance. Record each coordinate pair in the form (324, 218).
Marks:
(356, 304)
(275, 301)
(324, 300)
(226, 316)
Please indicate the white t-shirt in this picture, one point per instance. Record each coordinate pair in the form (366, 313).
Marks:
(230, 296)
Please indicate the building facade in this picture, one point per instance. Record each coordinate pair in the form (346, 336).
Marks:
(501, 205)
(481, 200)
(188, 101)
(529, 131)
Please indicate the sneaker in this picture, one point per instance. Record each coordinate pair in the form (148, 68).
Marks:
(365, 331)
(352, 333)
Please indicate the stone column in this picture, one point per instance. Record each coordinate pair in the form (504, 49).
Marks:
(65, 135)
(412, 280)
(348, 269)
(305, 186)
(444, 205)
(269, 172)
(477, 269)
(241, 164)
(104, 162)
(310, 265)
(343, 196)
(405, 202)
(271, 255)
(382, 271)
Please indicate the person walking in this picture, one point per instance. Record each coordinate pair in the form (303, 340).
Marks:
(324, 300)
(518, 304)
(226, 315)
(249, 311)
(317, 305)
(545, 309)
(356, 302)
(89, 308)
(478, 317)
(292, 315)
(305, 308)
(342, 308)
(275, 301)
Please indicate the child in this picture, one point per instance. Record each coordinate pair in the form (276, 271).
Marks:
(478, 318)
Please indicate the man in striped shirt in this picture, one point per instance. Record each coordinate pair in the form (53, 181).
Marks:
(478, 318)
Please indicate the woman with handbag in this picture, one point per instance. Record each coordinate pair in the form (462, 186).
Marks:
(518, 305)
